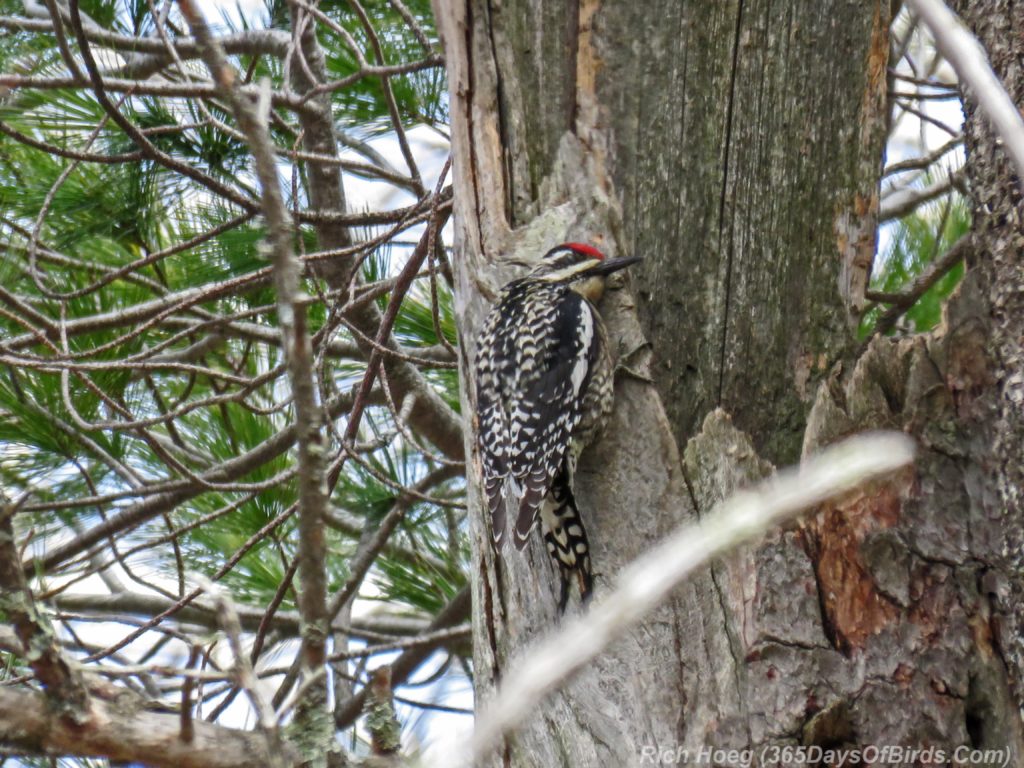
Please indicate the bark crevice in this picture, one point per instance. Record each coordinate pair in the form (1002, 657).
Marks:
(752, 198)
(726, 147)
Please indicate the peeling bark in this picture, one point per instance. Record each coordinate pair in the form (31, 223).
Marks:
(737, 146)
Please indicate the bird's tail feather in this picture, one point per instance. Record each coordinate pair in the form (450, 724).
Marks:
(495, 489)
(532, 492)
(566, 539)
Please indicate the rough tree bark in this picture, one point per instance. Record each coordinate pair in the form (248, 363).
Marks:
(737, 147)
(998, 265)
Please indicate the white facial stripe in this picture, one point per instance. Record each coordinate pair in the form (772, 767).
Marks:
(568, 272)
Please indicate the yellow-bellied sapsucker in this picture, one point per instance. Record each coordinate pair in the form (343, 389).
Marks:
(544, 390)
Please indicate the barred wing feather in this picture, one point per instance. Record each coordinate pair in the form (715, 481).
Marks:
(537, 351)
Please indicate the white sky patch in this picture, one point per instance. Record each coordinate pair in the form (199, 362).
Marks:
(254, 12)
(913, 136)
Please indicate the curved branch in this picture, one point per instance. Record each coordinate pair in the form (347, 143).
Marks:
(456, 612)
(119, 732)
(900, 202)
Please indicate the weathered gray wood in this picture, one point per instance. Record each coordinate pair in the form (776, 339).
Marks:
(748, 140)
(120, 729)
(636, 695)
(745, 142)
(737, 146)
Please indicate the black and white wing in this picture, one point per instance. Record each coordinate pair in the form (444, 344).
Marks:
(537, 351)
(495, 357)
(554, 372)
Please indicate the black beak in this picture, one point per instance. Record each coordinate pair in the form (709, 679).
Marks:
(608, 266)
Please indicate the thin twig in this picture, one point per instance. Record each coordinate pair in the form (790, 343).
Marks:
(244, 675)
(909, 296)
(918, 163)
(968, 58)
(900, 202)
(454, 613)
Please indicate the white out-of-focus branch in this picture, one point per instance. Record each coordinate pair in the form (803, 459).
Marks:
(647, 581)
(968, 58)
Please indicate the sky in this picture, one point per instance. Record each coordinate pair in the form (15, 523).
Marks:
(914, 137)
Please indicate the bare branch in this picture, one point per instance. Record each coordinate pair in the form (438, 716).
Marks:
(194, 346)
(919, 163)
(125, 733)
(151, 151)
(227, 616)
(182, 491)
(456, 612)
(903, 201)
(909, 296)
(431, 416)
(64, 687)
(251, 42)
(202, 614)
(371, 548)
(969, 60)
(298, 353)
(389, 95)
(366, 554)
(648, 580)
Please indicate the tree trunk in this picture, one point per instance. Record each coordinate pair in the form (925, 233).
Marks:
(737, 147)
(998, 262)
